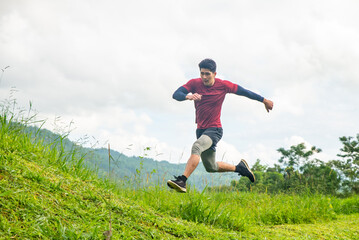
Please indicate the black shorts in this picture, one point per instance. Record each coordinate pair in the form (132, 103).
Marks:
(214, 133)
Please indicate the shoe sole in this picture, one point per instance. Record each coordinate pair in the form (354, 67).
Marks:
(176, 187)
(254, 177)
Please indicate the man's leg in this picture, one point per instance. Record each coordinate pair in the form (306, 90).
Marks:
(199, 146)
(194, 159)
(202, 144)
(225, 167)
(191, 165)
(209, 162)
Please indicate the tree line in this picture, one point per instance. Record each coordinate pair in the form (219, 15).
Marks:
(297, 171)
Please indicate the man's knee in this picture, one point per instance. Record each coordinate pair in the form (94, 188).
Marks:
(202, 144)
(196, 148)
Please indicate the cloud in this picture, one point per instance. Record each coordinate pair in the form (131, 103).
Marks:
(112, 66)
(295, 140)
(81, 59)
(125, 131)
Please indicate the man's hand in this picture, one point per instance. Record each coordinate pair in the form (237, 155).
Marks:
(268, 104)
(194, 97)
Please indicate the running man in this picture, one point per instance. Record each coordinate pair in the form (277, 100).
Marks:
(208, 93)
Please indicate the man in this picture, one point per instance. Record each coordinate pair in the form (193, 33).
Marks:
(208, 93)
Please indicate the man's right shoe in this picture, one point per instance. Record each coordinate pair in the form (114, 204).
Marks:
(243, 169)
(178, 184)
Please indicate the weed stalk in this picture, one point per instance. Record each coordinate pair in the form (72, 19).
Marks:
(108, 233)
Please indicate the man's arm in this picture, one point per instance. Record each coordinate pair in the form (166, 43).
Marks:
(247, 93)
(181, 94)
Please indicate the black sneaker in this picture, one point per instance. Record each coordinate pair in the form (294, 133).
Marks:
(179, 185)
(243, 169)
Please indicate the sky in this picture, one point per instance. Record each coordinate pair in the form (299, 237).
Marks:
(105, 72)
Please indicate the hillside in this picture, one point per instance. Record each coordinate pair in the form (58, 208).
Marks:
(44, 197)
(127, 167)
(46, 193)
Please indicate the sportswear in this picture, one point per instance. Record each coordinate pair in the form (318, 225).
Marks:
(208, 109)
(243, 169)
(214, 133)
(178, 184)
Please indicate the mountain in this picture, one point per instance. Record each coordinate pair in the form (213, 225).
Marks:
(133, 170)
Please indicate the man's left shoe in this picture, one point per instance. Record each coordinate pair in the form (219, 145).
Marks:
(243, 169)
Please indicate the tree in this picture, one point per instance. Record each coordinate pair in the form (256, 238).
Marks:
(302, 173)
(296, 155)
(258, 167)
(320, 177)
(349, 164)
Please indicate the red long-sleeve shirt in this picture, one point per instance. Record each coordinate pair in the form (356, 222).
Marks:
(208, 109)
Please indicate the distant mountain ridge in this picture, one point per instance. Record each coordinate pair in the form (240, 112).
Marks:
(135, 170)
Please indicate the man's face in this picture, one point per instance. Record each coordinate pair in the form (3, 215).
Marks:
(207, 77)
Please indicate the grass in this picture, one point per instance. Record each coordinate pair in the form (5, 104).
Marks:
(48, 193)
(239, 211)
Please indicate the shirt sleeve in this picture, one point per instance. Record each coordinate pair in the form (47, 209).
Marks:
(190, 85)
(230, 87)
(180, 94)
(249, 94)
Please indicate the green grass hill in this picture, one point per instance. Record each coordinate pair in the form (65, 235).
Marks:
(47, 192)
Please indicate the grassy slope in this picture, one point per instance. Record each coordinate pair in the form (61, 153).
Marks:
(41, 198)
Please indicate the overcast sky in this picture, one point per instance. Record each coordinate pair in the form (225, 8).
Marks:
(110, 67)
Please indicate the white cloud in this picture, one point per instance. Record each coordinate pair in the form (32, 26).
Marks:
(228, 153)
(112, 66)
(295, 140)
